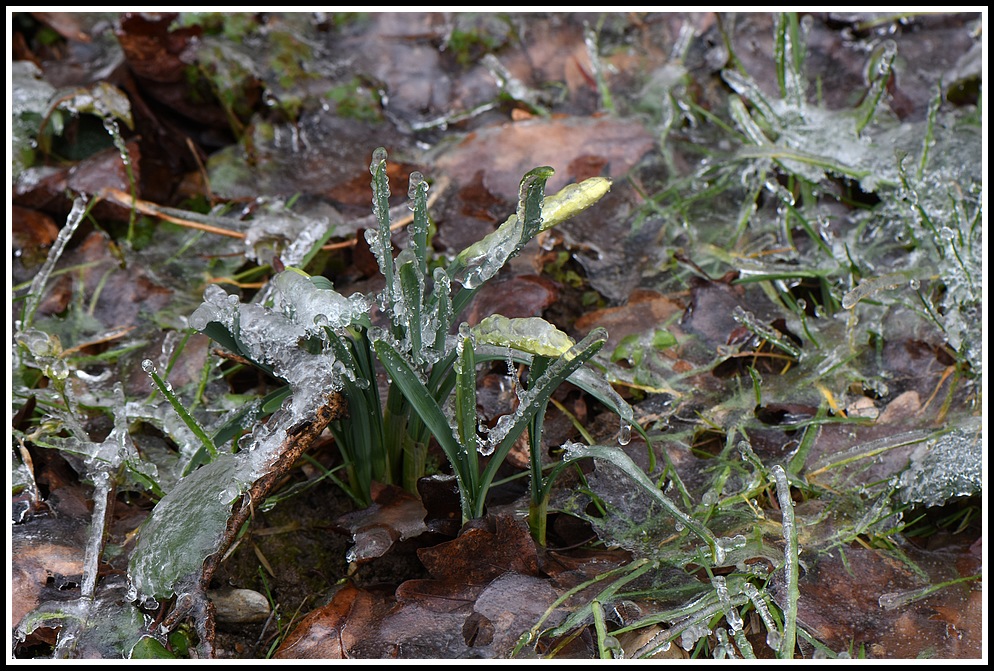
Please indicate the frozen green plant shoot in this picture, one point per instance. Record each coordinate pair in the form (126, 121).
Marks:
(318, 340)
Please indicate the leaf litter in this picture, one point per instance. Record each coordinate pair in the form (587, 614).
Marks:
(853, 360)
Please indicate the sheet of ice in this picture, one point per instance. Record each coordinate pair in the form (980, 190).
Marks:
(945, 467)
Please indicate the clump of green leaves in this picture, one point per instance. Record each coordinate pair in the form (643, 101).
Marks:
(431, 361)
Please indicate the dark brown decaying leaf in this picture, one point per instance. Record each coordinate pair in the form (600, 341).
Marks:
(485, 591)
(124, 292)
(518, 296)
(163, 60)
(644, 311)
(31, 232)
(103, 170)
(395, 515)
(479, 555)
(42, 568)
(323, 633)
(153, 49)
(844, 617)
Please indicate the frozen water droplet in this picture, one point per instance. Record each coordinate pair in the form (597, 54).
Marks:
(57, 369)
(801, 304)
(415, 181)
(148, 366)
(915, 284)
(625, 433)
(39, 343)
(379, 155)
(571, 449)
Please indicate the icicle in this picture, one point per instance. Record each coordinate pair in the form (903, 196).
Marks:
(732, 615)
(73, 221)
(873, 285)
(790, 556)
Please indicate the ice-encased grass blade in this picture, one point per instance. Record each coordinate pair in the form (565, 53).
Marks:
(166, 390)
(537, 396)
(80, 208)
(746, 123)
(466, 417)
(746, 87)
(418, 193)
(791, 567)
(555, 209)
(788, 56)
(878, 72)
(360, 439)
(379, 239)
(578, 617)
(411, 292)
(619, 459)
(539, 487)
(249, 414)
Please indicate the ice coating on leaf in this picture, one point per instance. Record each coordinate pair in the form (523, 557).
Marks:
(313, 307)
(481, 261)
(485, 260)
(528, 334)
(39, 343)
(597, 385)
(693, 633)
(276, 231)
(728, 546)
(93, 628)
(215, 308)
(29, 96)
(187, 525)
(273, 335)
(945, 467)
(872, 285)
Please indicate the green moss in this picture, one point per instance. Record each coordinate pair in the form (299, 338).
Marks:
(354, 100)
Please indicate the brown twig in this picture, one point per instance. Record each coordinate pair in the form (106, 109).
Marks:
(184, 219)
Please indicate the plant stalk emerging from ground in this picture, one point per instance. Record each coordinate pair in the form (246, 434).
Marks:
(431, 364)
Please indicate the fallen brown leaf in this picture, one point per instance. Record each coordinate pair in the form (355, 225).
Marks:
(507, 152)
(480, 555)
(644, 311)
(322, 633)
